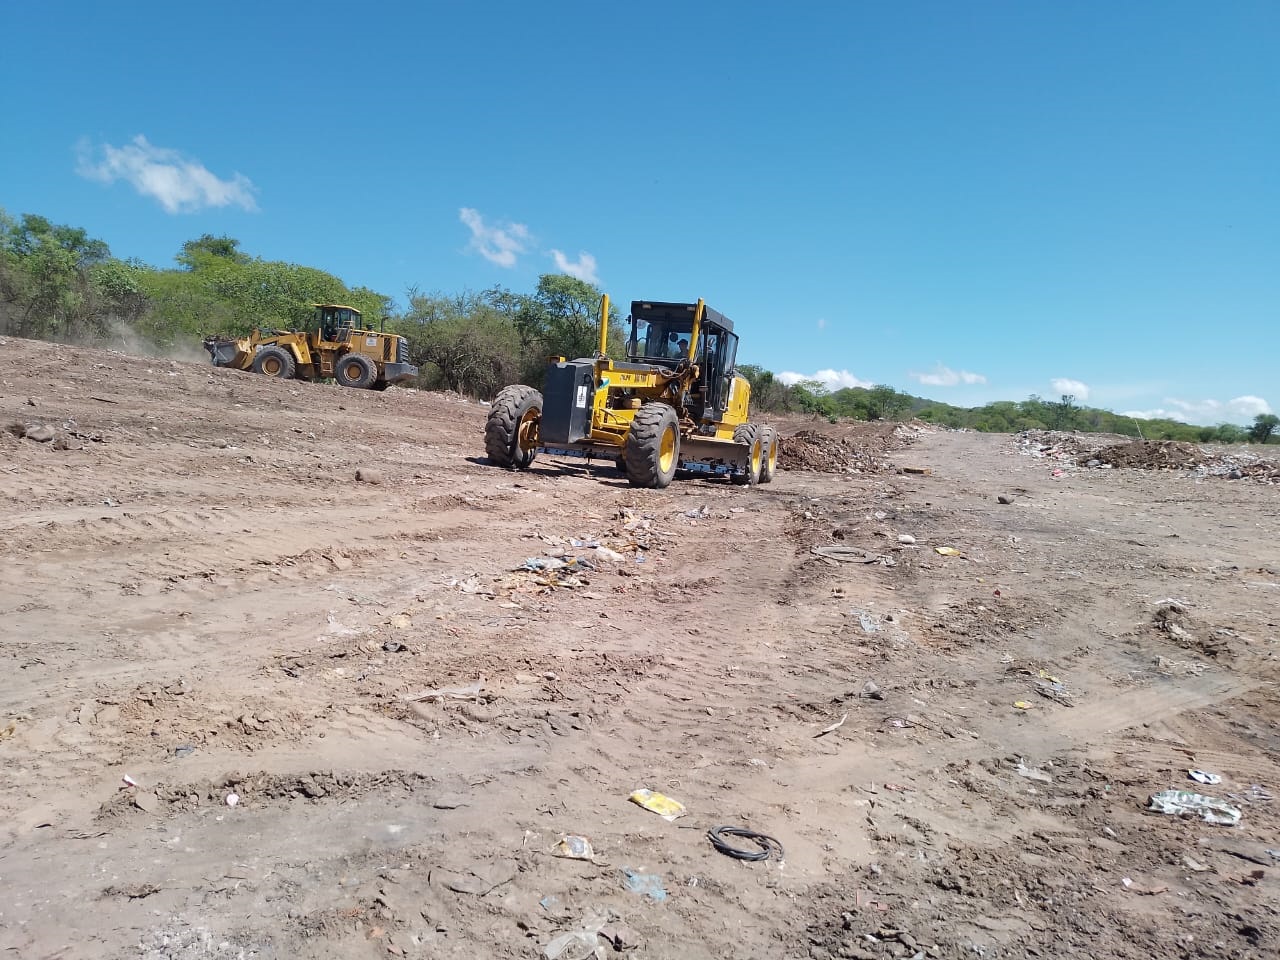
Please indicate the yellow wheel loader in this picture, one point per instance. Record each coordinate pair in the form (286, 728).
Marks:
(675, 404)
(338, 347)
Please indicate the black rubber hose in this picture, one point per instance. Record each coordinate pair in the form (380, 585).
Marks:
(769, 847)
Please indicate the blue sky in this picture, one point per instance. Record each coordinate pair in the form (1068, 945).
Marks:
(969, 201)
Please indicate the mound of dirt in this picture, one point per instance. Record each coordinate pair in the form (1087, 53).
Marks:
(821, 453)
(1149, 455)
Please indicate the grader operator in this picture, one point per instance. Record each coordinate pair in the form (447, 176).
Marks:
(676, 403)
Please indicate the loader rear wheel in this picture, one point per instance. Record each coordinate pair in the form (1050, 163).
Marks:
(511, 432)
(769, 465)
(749, 433)
(652, 448)
(276, 362)
(356, 371)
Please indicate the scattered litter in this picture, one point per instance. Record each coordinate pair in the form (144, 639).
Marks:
(9, 729)
(1183, 803)
(1054, 690)
(920, 471)
(906, 539)
(698, 513)
(644, 884)
(1193, 864)
(768, 847)
(658, 803)
(1022, 704)
(185, 750)
(1144, 891)
(609, 556)
(1202, 776)
(394, 646)
(1033, 773)
(845, 554)
(232, 799)
(449, 802)
(579, 944)
(947, 552)
(869, 621)
(472, 691)
(831, 728)
(573, 848)
(871, 691)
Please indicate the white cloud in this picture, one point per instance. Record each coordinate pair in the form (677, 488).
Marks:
(499, 243)
(1065, 385)
(831, 379)
(181, 184)
(822, 323)
(946, 377)
(1240, 410)
(584, 268)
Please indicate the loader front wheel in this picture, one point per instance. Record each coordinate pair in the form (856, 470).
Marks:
(749, 433)
(511, 432)
(769, 463)
(275, 362)
(652, 449)
(356, 371)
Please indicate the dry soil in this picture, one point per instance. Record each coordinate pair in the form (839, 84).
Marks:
(199, 601)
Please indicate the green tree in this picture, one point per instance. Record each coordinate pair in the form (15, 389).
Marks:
(561, 317)
(463, 341)
(1264, 426)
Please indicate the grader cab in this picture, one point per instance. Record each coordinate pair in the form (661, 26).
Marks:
(676, 403)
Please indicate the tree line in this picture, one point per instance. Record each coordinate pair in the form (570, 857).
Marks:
(58, 283)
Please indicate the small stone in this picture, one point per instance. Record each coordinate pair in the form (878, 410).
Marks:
(1004, 498)
(340, 562)
(906, 538)
(368, 475)
(221, 444)
(40, 434)
(871, 691)
(68, 443)
(146, 801)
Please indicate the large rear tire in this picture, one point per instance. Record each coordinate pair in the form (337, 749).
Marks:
(769, 465)
(510, 433)
(275, 361)
(356, 371)
(652, 448)
(749, 433)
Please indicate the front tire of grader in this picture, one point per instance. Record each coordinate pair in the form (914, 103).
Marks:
(769, 465)
(511, 432)
(652, 449)
(749, 433)
(356, 371)
(273, 361)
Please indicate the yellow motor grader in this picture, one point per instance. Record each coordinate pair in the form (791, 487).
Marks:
(338, 347)
(676, 403)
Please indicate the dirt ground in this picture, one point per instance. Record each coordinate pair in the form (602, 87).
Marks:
(200, 602)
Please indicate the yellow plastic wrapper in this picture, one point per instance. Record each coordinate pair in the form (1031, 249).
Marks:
(658, 803)
(947, 551)
(1022, 704)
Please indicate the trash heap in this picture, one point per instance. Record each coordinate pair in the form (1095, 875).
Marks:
(1147, 455)
(820, 453)
(1051, 445)
(1240, 466)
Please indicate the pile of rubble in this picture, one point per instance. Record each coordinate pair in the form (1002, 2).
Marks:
(1051, 445)
(1240, 466)
(1146, 455)
(810, 450)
